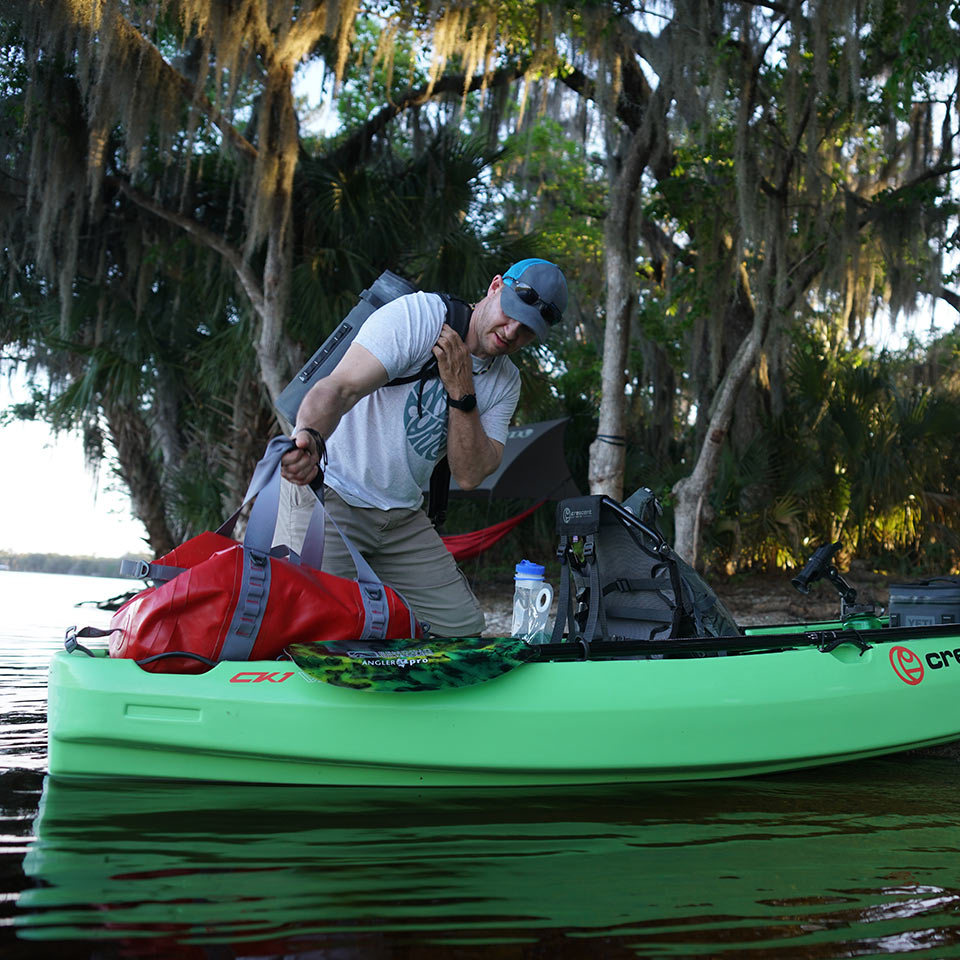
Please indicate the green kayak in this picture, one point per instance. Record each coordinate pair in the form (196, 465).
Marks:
(780, 699)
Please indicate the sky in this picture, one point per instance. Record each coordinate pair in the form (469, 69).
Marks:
(51, 503)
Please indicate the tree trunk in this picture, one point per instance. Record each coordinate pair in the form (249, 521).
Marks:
(278, 156)
(692, 491)
(608, 451)
(131, 437)
(659, 408)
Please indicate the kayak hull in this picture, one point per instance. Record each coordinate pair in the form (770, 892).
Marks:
(543, 723)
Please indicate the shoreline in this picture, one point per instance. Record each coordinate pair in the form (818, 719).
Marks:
(752, 599)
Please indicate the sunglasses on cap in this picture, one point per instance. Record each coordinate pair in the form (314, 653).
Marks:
(529, 296)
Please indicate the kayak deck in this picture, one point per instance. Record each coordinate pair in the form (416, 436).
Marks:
(543, 723)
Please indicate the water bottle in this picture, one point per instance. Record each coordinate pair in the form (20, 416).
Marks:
(531, 603)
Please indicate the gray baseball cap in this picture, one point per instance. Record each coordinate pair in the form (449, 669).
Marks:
(534, 294)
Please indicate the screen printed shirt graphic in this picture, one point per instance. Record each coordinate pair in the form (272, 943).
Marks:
(425, 421)
(384, 450)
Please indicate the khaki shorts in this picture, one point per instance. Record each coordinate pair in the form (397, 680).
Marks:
(401, 545)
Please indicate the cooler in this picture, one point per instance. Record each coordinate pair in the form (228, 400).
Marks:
(925, 603)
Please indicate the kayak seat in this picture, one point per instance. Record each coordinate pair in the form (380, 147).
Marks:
(621, 580)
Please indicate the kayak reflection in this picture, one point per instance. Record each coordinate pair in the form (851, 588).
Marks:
(861, 859)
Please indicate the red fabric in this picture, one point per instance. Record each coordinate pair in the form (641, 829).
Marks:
(464, 546)
(193, 611)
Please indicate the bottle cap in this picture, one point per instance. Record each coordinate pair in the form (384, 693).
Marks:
(526, 570)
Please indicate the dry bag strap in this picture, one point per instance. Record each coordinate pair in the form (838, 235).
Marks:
(266, 480)
(373, 594)
(256, 567)
(251, 606)
(71, 643)
(254, 592)
(142, 570)
(265, 486)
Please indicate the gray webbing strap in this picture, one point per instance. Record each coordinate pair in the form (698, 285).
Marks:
(311, 550)
(266, 488)
(251, 606)
(262, 475)
(141, 570)
(376, 611)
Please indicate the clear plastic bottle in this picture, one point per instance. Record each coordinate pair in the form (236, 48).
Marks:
(532, 598)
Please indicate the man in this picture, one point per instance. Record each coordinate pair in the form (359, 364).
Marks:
(383, 443)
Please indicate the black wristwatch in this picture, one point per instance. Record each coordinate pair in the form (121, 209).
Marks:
(466, 403)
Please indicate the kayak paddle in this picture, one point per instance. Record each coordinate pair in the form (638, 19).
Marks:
(399, 666)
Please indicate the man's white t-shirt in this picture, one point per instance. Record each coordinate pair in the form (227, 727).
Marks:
(383, 452)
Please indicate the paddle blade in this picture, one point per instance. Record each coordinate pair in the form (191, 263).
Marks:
(406, 666)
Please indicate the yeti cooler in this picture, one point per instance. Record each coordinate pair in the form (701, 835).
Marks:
(926, 603)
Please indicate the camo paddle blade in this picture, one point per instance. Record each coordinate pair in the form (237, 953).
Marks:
(407, 666)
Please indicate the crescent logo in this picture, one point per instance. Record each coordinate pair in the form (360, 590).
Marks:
(570, 514)
(907, 665)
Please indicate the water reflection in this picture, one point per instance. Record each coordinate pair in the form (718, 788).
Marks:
(845, 862)
(37, 609)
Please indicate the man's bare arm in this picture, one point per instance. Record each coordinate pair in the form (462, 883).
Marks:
(357, 374)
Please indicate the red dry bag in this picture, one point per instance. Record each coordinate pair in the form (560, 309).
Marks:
(216, 599)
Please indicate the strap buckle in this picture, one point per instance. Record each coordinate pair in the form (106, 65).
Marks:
(71, 643)
(137, 569)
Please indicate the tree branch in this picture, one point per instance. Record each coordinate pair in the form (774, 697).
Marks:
(187, 89)
(950, 297)
(353, 148)
(205, 236)
(629, 111)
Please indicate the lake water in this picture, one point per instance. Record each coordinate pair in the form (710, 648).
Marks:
(860, 860)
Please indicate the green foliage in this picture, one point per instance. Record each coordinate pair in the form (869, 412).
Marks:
(867, 454)
(799, 165)
(381, 64)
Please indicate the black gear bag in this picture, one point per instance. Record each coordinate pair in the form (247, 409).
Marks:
(620, 579)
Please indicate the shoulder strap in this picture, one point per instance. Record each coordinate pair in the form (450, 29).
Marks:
(458, 317)
(439, 493)
(458, 313)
